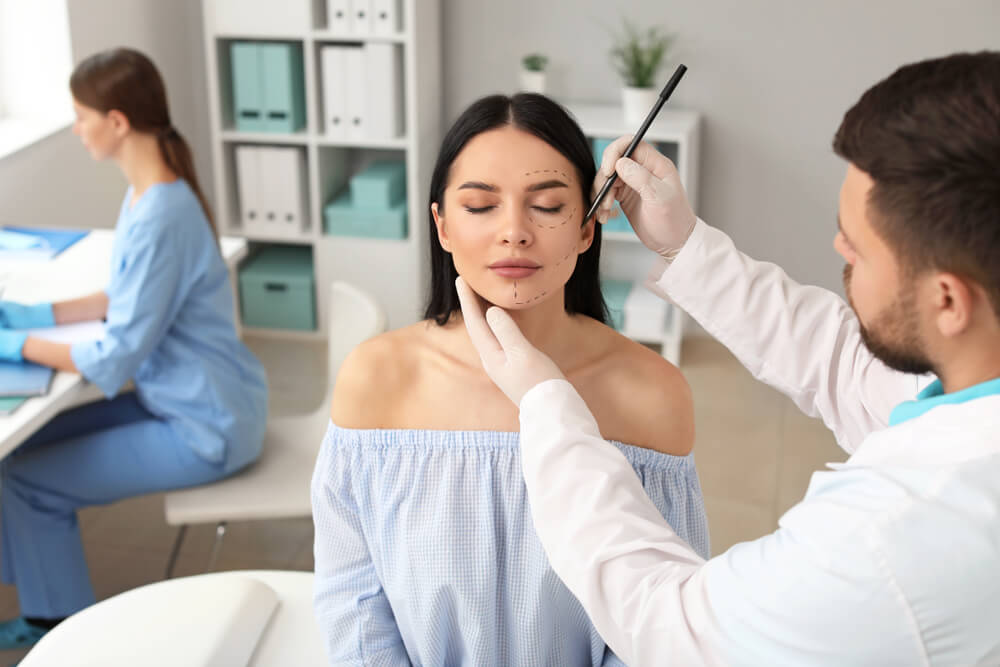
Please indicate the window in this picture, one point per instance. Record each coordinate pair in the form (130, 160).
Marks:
(35, 64)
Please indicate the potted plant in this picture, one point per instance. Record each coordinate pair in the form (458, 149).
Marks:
(637, 56)
(533, 73)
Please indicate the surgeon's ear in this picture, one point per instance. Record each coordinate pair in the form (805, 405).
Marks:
(955, 302)
(587, 235)
(442, 228)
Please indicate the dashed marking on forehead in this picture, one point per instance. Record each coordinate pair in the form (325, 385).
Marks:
(548, 171)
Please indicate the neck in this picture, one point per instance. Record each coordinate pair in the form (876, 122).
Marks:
(975, 359)
(142, 163)
(545, 326)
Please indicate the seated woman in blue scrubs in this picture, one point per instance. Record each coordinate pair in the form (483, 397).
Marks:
(200, 400)
(425, 551)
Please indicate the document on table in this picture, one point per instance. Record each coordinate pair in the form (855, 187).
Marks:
(21, 379)
(71, 333)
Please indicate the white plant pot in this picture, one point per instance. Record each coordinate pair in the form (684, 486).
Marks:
(533, 82)
(637, 102)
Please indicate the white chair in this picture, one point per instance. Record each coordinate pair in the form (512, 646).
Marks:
(257, 618)
(276, 486)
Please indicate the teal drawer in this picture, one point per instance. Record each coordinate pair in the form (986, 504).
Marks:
(343, 218)
(380, 186)
(615, 293)
(277, 289)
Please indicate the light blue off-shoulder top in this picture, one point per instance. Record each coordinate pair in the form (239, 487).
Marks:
(426, 555)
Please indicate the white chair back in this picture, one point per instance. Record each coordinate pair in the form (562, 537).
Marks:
(355, 316)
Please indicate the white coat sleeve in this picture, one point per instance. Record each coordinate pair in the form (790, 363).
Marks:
(804, 341)
(791, 598)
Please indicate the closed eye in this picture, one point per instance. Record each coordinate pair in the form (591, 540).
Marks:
(554, 209)
(481, 209)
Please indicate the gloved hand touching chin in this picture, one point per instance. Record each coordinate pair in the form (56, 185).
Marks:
(514, 364)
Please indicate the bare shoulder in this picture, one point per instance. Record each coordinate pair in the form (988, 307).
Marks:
(640, 398)
(370, 376)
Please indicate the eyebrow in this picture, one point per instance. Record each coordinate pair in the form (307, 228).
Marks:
(478, 185)
(544, 185)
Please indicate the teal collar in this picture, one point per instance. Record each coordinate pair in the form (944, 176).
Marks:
(933, 395)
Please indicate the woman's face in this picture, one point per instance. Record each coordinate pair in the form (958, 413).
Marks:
(100, 133)
(511, 218)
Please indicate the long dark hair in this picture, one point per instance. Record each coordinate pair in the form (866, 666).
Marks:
(540, 116)
(127, 81)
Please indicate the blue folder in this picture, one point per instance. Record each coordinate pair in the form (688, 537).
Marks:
(24, 379)
(52, 241)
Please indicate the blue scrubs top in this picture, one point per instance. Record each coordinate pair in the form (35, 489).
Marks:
(170, 328)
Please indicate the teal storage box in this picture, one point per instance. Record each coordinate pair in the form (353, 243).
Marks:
(381, 186)
(615, 293)
(342, 218)
(618, 223)
(248, 93)
(268, 86)
(277, 289)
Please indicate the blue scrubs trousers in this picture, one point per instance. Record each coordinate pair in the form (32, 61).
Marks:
(92, 455)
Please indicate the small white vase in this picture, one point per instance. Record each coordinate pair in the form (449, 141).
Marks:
(533, 82)
(637, 102)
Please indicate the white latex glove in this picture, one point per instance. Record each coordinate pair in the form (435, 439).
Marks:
(514, 364)
(651, 196)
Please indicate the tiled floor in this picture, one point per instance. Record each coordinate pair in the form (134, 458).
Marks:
(754, 451)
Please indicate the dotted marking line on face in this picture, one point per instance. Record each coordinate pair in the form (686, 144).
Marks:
(525, 303)
(568, 218)
(548, 171)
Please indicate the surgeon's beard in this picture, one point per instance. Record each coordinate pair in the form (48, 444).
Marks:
(893, 336)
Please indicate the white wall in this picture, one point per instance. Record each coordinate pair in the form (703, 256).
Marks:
(772, 77)
(54, 182)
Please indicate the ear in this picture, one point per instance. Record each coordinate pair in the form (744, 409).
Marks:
(955, 301)
(119, 122)
(442, 229)
(587, 235)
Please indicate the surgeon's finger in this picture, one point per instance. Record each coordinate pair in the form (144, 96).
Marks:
(506, 330)
(609, 157)
(479, 331)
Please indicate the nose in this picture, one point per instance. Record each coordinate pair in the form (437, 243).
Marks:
(517, 230)
(840, 245)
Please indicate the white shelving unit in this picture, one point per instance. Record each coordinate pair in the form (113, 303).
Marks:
(676, 134)
(395, 271)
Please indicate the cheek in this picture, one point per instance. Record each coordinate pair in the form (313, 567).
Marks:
(871, 292)
(469, 243)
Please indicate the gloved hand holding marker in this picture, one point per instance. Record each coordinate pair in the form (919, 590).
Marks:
(649, 189)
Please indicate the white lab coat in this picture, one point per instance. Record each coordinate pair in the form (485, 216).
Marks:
(893, 558)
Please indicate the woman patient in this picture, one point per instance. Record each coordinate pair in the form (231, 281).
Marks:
(425, 552)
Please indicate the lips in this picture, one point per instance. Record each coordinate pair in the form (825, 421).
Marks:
(514, 267)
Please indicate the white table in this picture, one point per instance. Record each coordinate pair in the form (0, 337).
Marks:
(189, 621)
(83, 268)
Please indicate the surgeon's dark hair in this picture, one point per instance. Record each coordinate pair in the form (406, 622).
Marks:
(929, 137)
(127, 81)
(547, 120)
